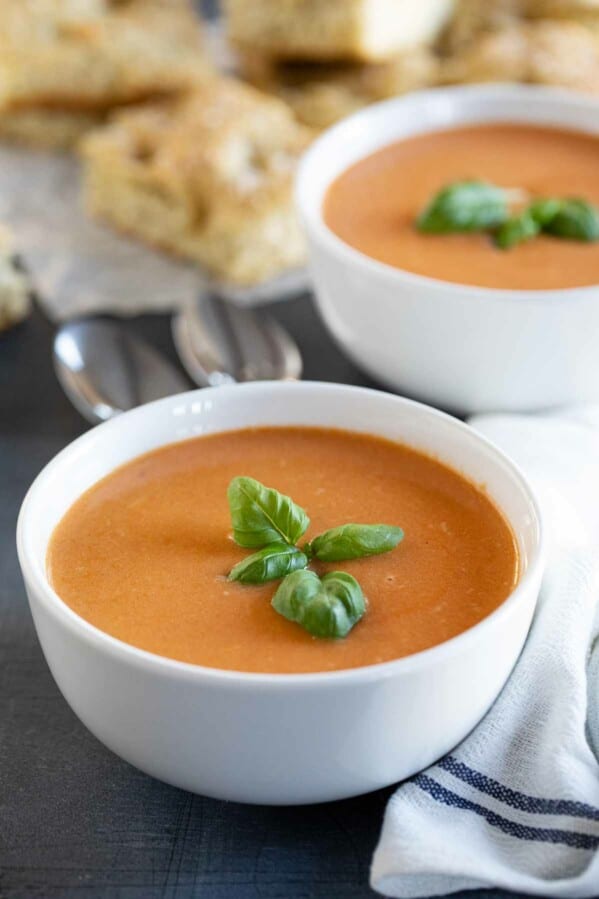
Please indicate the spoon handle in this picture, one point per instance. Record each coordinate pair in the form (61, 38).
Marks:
(220, 343)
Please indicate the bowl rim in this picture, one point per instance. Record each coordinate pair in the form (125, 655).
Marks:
(88, 633)
(312, 217)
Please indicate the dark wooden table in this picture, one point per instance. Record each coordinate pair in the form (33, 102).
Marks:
(75, 820)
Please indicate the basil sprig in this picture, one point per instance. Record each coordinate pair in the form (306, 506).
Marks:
(354, 541)
(325, 607)
(261, 515)
(274, 561)
(571, 219)
(272, 523)
(477, 206)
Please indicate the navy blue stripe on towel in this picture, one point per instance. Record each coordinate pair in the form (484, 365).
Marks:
(520, 831)
(512, 797)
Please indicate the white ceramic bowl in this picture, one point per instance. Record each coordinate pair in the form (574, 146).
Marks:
(460, 347)
(277, 738)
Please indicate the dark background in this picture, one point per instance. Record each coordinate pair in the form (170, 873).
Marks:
(75, 820)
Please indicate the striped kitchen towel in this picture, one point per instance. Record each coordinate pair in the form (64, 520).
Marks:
(516, 805)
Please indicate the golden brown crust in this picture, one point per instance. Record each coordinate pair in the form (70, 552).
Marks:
(208, 176)
(581, 10)
(85, 55)
(49, 129)
(359, 30)
(37, 20)
(564, 54)
(322, 93)
(473, 18)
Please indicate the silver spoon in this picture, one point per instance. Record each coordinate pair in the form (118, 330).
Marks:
(221, 343)
(104, 370)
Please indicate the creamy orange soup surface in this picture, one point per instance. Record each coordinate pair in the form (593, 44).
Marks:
(374, 204)
(144, 553)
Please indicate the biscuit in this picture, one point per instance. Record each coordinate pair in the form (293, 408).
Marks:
(208, 177)
(581, 10)
(366, 30)
(472, 18)
(75, 56)
(557, 53)
(24, 20)
(47, 129)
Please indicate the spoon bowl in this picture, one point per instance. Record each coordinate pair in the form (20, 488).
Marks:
(220, 343)
(105, 371)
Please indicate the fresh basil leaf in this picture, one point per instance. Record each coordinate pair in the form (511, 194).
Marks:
(325, 608)
(517, 229)
(465, 206)
(575, 220)
(261, 515)
(268, 564)
(295, 593)
(545, 210)
(353, 541)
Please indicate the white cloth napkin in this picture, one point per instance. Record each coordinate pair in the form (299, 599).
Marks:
(516, 805)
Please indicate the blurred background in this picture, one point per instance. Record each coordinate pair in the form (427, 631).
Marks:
(146, 145)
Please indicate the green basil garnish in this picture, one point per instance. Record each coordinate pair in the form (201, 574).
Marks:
(261, 515)
(465, 206)
(269, 564)
(517, 229)
(545, 210)
(327, 607)
(569, 219)
(354, 541)
(575, 220)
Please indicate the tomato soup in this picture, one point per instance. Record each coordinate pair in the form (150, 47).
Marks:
(144, 554)
(373, 205)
